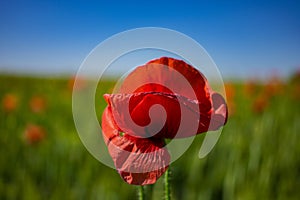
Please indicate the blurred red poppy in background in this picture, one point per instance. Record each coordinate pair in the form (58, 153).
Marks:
(230, 97)
(80, 83)
(134, 141)
(9, 102)
(260, 103)
(37, 104)
(274, 87)
(34, 134)
(251, 88)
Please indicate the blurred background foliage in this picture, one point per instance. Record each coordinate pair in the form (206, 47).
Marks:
(256, 157)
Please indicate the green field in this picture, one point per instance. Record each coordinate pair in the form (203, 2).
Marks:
(256, 157)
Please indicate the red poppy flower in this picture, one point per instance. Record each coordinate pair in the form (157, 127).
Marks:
(34, 134)
(80, 83)
(251, 88)
(10, 102)
(37, 104)
(134, 128)
(274, 87)
(260, 104)
(230, 94)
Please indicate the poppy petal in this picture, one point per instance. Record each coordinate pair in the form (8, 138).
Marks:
(220, 112)
(139, 161)
(158, 76)
(182, 119)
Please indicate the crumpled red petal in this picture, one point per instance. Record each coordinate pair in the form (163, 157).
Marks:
(139, 161)
(220, 112)
(183, 118)
(162, 75)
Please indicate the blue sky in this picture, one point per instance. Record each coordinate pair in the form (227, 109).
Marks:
(244, 38)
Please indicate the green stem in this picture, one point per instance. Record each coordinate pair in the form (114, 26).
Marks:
(167, 184)
(141, 192)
